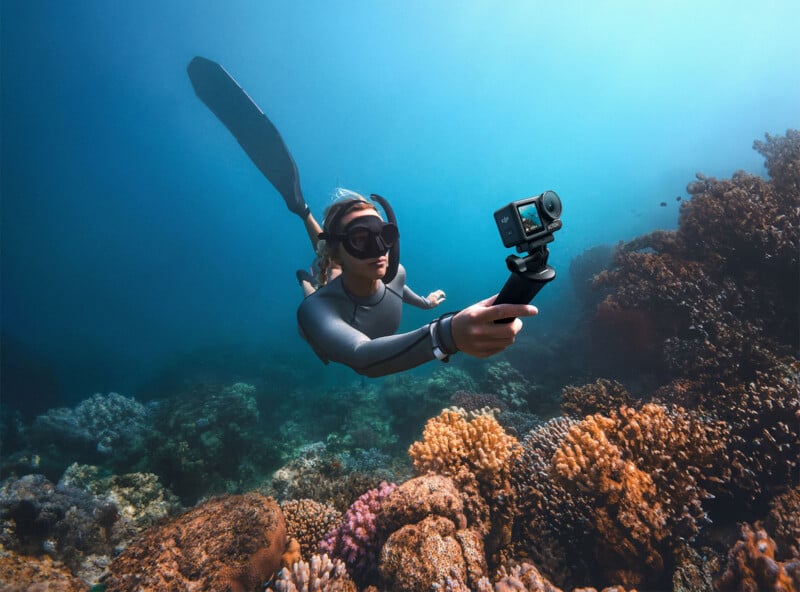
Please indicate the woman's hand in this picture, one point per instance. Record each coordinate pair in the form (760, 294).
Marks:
(476, 333)
(436, 298)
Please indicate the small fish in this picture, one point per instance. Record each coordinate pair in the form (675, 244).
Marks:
(677, 198)
(663, 204)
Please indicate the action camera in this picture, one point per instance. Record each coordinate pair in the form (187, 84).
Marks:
(529, 220)
(528, 224)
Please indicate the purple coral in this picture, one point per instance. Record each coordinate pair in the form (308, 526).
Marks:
(357, 541)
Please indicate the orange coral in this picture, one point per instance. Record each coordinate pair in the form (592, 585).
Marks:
(450, 442)
(647, 471)
(752, 566)
(232, 542)
(477, 454)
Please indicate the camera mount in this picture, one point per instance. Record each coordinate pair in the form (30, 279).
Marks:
(529, 274)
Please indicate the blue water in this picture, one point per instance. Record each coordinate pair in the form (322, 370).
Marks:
(135, 229)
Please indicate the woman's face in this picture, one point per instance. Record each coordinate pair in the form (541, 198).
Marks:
(372, 269)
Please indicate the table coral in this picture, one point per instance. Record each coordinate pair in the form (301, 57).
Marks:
(230, 543)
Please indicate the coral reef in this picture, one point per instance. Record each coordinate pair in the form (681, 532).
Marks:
(601, 396)
(717, 298)
(320, 574)
(66, 523)
(109, 429)
(418, 557)
(21, 573)
(412, 400)
(648, 472)
(231, 543)
(308, 521)
(139, 497)
(752, 565)
(552, 522)
(509, 384)
(477, 401)
(450, 443)
(519, 578)
(321, 475)
(357, 540)
(783, 522)
(207, 443)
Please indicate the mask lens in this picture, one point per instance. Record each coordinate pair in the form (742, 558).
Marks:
(359, 238)
(390, 234)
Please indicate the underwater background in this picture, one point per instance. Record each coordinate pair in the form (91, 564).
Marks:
(644, 430)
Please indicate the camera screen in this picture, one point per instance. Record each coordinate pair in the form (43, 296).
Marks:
(531, 222)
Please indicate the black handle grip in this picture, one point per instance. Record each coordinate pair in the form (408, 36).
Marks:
(521, 288)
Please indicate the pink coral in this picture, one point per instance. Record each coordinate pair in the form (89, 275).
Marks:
(357, 541)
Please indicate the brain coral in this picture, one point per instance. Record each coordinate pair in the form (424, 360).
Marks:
(231, 543)
(648, 472)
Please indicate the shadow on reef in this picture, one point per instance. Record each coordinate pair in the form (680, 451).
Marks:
(669, 460)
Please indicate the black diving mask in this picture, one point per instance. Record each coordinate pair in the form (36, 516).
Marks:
(368, 237)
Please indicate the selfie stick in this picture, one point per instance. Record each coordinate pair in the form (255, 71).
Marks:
(529, 274)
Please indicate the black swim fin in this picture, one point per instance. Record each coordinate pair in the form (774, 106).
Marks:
(254, 131)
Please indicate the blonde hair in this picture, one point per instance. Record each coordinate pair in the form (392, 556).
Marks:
(346, 200)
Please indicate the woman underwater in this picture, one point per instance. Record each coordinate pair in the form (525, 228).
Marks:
(352, 317)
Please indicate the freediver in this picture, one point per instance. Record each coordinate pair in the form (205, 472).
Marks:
(353, 317)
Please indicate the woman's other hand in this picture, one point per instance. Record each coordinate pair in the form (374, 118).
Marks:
(436, 298)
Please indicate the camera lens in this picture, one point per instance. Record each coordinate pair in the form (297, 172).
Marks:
(551, 204)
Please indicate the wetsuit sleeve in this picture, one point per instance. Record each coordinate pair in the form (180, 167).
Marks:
(414, 299)
(334, 339)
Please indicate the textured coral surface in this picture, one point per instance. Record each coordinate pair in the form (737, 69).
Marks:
(232, 542)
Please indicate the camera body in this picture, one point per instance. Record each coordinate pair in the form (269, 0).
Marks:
(525, 223)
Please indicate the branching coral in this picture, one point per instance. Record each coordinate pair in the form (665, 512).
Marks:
(308, 521)
(450, 443)
(477, 454)
(552, 520)
(648, 472)
(783, 522)
(320, 574)
(720, 293)
(764, 419)
(601, 396)
(752, 566)
(357, 540)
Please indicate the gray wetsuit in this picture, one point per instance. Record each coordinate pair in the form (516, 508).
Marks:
(359, 332)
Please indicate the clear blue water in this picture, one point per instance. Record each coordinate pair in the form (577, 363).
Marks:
(134, 228)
